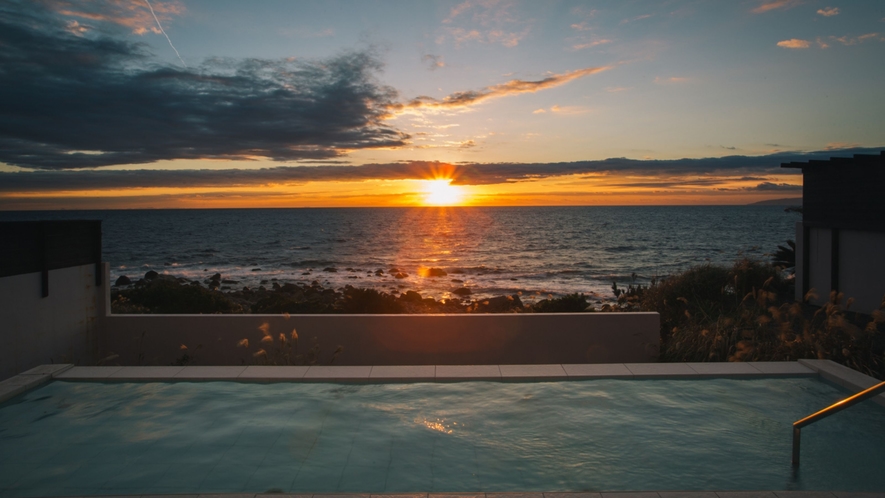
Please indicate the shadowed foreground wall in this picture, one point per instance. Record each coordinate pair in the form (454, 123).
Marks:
(62, 327)
(388, 339)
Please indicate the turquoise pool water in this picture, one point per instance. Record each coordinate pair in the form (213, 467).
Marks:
(76, 438)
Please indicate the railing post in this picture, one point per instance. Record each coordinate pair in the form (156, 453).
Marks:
(797, 436)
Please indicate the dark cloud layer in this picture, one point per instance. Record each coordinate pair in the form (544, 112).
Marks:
(74, 99)
(462, 174)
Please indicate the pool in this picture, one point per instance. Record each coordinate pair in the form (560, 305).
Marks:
(82, 438)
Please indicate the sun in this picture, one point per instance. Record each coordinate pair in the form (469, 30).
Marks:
(442, 193)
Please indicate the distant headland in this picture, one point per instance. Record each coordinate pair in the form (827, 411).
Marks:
(789, 201)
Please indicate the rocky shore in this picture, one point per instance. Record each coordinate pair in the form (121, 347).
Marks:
(158, 293)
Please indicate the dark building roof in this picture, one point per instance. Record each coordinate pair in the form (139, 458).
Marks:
(844, 192)
(856, 160)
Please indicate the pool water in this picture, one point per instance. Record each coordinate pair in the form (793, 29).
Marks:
(78, 438)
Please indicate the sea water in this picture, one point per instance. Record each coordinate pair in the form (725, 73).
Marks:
(492, 250)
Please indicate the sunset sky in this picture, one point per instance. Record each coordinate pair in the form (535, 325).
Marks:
(106, 104)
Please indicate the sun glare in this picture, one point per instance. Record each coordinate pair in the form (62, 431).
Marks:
(441, 193)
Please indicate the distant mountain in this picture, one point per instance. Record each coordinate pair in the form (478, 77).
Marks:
(790, 201)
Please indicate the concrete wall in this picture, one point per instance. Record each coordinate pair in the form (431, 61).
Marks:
(61, 328)
(388, 339)
(861, 266)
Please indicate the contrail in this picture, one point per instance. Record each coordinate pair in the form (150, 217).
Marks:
(164, 33)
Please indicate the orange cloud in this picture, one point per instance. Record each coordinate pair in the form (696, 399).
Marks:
(794, 43)
(594, 43)
(829, 11)
(512, 87)
(132, 14)
(776, 5)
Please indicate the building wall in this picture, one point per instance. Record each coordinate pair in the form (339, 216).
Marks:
(61, 328)
(387, 339)
(861, 266)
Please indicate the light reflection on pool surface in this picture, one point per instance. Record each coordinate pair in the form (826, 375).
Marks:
(71, 438)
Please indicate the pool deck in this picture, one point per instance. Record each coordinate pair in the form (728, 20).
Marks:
(824, 369)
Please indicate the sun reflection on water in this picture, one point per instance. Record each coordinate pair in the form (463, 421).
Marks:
(438, 425)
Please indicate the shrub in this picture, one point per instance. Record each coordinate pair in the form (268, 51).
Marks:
(368, 301)
(571, 303)
(163, 296)
(283, 303)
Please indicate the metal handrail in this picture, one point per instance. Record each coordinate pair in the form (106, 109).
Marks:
(826, 412)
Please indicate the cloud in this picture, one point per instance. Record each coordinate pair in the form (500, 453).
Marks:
(485, 21)
(539, 111)
(775, 5)
(768, 186)
(673, 79)
(824, 43)
(637, 18)
(794, 43)
(748, 168)
(134, 15)
(434, 61)
(849, 40)
(829, 11)
(512, 87)
(590, 44)
(80, 101)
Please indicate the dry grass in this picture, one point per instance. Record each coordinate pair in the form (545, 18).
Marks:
(746, 313)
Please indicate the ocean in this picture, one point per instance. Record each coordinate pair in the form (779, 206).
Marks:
(494, 251)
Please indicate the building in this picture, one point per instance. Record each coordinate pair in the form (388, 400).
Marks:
(840, 242)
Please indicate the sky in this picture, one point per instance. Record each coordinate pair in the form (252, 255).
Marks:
(114, 104)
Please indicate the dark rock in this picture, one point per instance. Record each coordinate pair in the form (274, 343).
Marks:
(330, 269)
(150, 275)
(263, 282)
(246, 289)
(290, 288)
(306, 273)
(225, 287)
(123, 280)
(217, 276)
(457, 281)
(276, 286)
(411, 296)
(457, 270)
(462, 291)
(230, 282)
(500, 304)
(256, 269)
(401, 275)
(435, 272)
(393, 270)
(262, 288)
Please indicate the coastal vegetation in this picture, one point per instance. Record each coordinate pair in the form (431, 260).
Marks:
(742, 312)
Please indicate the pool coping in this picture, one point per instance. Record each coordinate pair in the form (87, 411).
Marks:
(588, 494)
(824, 369)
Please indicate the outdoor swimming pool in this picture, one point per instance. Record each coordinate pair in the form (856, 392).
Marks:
(79, 438)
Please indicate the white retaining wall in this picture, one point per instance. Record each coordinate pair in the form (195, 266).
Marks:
(61, 328)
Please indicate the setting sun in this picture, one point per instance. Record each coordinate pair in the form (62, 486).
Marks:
(441, 193)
